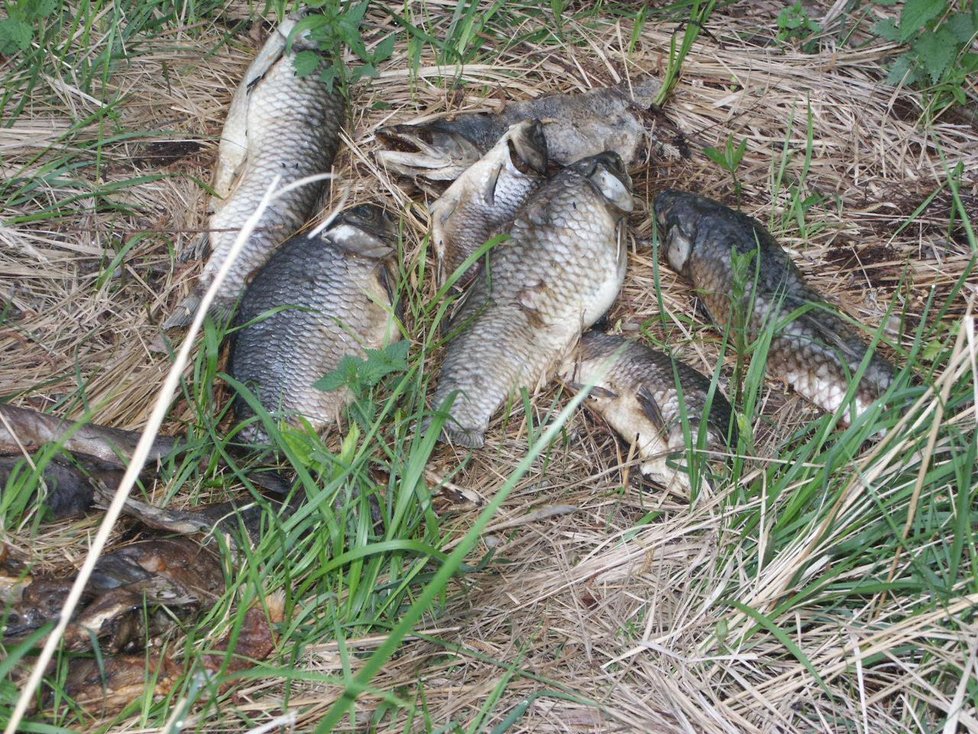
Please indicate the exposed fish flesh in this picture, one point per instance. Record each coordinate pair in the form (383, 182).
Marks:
(278, 124)
(332, 297)
(575, 126)
(559, 272)
(485, 198)
(813, 348)
(634, 388)
(170, 572)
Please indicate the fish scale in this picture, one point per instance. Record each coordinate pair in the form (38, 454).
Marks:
(281, 125)
(560, 270)
(813, 349)
(335, 292)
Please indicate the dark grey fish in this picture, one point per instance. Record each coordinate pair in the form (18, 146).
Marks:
(69, 486)
(332, 295)
(816, 352)
(558, 273)
(482, 201)
(278, 124)
(635, 391)
(575, 126)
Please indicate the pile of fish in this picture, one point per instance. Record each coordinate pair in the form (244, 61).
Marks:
(531, 231)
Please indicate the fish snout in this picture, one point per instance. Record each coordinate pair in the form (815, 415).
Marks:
(677, 243)
(528, 147)
(608, 174)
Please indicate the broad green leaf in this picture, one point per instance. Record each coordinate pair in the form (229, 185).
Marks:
(887, 28)
(916, 14)
(15, 35)
(936, 50)
(903, 71)
(384, 49)
(961, 26)
(306, 62)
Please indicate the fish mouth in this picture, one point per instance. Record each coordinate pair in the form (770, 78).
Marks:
(424, 150)
(528, 148)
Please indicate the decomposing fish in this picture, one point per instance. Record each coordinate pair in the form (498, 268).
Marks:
(315, 302)
(575, 125)
(485, 197)
(644, 395)
(159, 572)
(23, 428)
(813, 349)
(279, 124)
(559, 272)
(69, 485)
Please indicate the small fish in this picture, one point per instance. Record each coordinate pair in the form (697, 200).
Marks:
(278, 124)
(558, 273)
(575, 126)
(485, 198)
(333, 298)
(817, 352)
(634, 389)
(69, 485)
(23, 428)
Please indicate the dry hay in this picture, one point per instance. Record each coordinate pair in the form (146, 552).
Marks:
(586, 602)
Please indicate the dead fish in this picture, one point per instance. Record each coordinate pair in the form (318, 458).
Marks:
(558, 273)
(278, 124)
(69, 487)
(23, 428)
(635, 391)
(484, 199)
(159, 572)
(333, 295)
(240, 520)
(575, 126)
(817, 352)
(108, 683)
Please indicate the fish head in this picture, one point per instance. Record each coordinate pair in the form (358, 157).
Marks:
(430, 151)
(677, 214)
(528, 147)
(606, 172)
(366, 230)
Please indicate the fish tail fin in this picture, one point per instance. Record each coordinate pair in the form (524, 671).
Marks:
(470, 438)
(184, 313)
(220, 312)
(196, 250)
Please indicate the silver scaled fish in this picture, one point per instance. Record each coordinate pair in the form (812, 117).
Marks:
(813, 349)
(329, 297)
(484, 199)
(644, 396)
(575, 126)
(560, 270)
(278, 124)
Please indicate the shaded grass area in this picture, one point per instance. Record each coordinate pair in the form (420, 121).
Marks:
(827, 582)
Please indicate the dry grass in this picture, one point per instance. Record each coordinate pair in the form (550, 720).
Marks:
(590, 600)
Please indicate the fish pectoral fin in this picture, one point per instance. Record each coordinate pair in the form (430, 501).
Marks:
(650, 407)
(489, 193)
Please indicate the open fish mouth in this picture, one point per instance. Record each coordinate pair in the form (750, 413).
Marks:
(419, 151)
